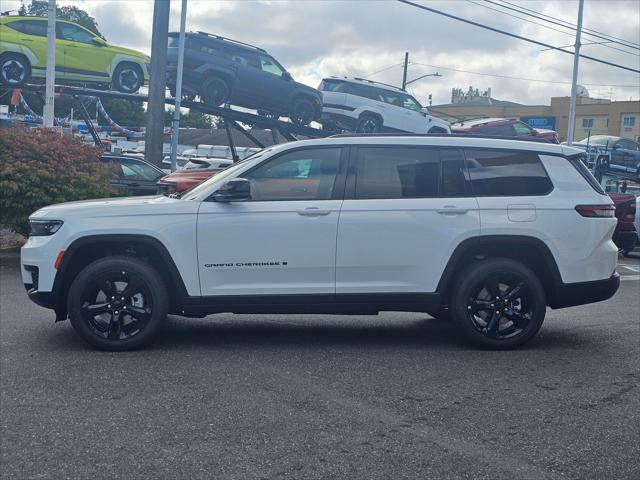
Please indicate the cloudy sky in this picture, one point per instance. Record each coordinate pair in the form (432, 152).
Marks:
(316, 38)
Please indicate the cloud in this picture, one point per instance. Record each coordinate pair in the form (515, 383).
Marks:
(317, 38)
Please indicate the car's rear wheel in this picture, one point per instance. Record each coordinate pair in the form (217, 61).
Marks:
(368, 124)
(499, 304)
(128, 78)
(15, 70)
(117, 303)
(215, 92)
(302, 111)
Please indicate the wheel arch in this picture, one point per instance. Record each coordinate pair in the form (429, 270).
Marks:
(86, 250)
(315, 101)
(530, 251)
(371, 113)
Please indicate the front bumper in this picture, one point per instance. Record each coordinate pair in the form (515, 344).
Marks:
(572, 294)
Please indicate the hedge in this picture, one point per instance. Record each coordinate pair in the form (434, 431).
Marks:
(41, 167)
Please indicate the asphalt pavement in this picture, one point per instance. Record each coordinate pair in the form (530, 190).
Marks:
(392, 396)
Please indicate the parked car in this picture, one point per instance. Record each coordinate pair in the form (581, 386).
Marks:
(503, 126)
(220, 70)
(364, 106)
(608, 154)
(132, 176)
(82, 57)
(194, 172)
(492, 231)
(625, 235)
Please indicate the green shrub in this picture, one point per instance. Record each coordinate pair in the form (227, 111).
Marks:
(40, 167)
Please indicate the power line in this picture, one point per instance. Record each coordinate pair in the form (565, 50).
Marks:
(382, 70)
(543, 25)
(565, 23)
(519, 37)
(522, 78)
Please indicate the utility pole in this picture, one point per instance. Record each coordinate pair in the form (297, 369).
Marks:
(50, 73)
(574, 81)
(175, 125)
(153, 138)
(404, 70)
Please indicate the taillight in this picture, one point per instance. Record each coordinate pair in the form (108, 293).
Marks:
(596, 211)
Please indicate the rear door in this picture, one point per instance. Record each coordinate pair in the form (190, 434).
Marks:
(405, 211)
(248, 75)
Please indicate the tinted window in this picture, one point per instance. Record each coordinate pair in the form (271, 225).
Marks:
(506, 130)
(241, 56)
(521, 129)
(198, 44)
(30, 27)
(330, 85)
(399, 99)
(389, 172)
(301, 175)
(497, 173)
(132, 170)
(362, 91)
(66, 31)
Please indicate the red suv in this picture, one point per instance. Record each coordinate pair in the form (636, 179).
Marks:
(503, 126)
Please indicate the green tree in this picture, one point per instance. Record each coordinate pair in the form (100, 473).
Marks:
(38, 8)
(124, 112)
(192, 119)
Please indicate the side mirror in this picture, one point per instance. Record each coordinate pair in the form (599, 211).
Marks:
(424, 111)
(287, 76)
(235, 190)
(534, 133)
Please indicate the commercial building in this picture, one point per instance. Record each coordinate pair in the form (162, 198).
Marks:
(594, 116)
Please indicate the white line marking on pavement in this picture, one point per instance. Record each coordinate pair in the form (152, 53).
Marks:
(629, 277)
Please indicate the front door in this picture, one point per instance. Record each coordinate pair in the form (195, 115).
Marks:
(283, 240)
(82, 59)
(405, 211)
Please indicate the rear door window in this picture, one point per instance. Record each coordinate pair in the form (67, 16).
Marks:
(494, 173)
(414, 172)
(30, 27)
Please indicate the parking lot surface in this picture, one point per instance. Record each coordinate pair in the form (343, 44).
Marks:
(268, 397)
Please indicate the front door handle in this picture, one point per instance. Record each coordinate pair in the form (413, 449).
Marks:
(451, 210)
(313, 212)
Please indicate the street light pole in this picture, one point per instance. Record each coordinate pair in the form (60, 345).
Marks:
(50, 73)
(175, 126)
(574, 81)
(421, 77)
(404, 70)
(153, 137)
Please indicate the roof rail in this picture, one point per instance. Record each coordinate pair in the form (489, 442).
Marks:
(378, 83)
(218, 37)
(442, 135)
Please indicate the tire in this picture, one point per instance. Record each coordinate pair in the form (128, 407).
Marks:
(15, 70)
(117, 277)
(128, 77)
(498, 282)
(302, 111)
(368, 124)
(215, 92)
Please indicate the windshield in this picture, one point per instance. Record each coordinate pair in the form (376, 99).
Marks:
(195, 191)
(600, 140)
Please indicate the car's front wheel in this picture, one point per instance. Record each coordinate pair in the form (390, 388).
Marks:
(117, 303)
(15, 70)
(498, 304)
(128, 78)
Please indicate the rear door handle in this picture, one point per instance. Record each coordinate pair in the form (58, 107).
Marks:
(313, 212)
(451, 210)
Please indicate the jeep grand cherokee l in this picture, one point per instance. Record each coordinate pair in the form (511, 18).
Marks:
(489, 232)
(220, 70)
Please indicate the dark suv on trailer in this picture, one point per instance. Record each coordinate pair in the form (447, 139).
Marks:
(220, 70)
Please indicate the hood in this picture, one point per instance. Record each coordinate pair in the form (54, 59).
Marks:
(190, 175)
(103, 206)
(129, 51)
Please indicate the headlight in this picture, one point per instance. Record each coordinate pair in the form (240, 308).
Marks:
(40, 228)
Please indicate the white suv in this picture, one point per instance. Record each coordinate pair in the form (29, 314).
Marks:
(487, 231)
(364, 106)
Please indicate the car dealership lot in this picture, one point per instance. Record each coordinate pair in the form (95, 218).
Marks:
(392, 396)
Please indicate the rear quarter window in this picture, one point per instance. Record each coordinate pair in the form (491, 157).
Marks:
(494, 173)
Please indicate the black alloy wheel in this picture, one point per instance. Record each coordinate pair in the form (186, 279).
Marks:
(368, 124)
(499, 304)
(117, 303)
(215, 92)
(128, 78)
(302, 112)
